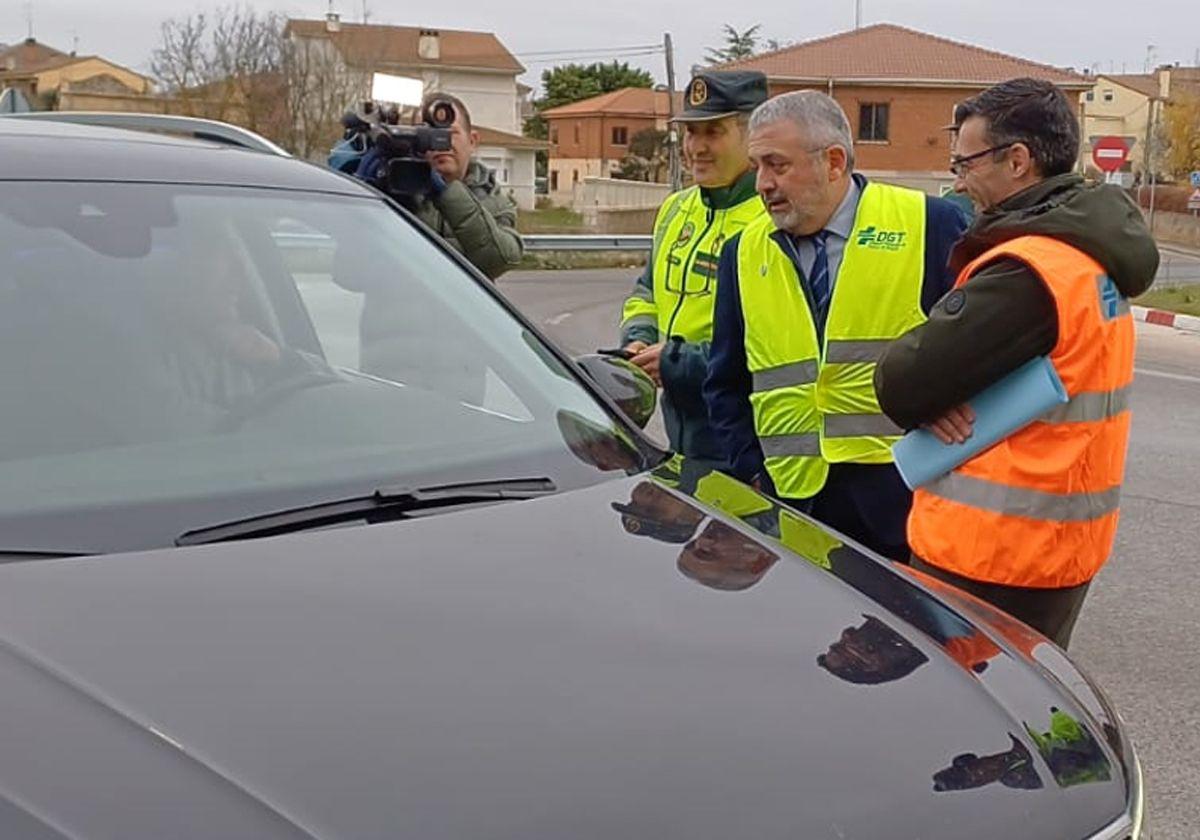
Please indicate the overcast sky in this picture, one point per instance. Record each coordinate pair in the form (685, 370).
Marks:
(1105, 34)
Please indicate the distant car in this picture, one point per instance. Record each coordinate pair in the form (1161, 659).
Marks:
(305, 532)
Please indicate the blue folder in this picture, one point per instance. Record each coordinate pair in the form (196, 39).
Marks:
(1000, 410)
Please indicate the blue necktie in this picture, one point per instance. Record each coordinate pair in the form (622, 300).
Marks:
(819, 279)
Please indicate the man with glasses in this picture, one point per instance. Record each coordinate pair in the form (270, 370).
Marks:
(807, 300)
(1046, 269)
(666, 323)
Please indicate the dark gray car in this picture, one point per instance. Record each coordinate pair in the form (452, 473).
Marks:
(305, 532)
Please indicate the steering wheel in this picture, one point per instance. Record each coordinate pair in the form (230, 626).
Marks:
(299, 372)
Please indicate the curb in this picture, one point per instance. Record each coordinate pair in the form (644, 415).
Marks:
(1186, 323)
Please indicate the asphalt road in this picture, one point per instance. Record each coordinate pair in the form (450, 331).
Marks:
(1178, 267)
(1139, 634)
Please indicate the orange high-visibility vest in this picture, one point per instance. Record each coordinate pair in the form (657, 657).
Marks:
(1040, 508)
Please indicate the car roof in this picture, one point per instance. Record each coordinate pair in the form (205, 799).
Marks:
(56, 151)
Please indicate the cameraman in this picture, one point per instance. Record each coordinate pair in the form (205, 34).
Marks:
(464, 204)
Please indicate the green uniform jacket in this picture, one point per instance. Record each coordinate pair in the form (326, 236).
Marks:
(477, 219)
(684, 363)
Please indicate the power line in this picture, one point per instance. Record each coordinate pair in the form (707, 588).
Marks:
(582, 50)
(569, 59)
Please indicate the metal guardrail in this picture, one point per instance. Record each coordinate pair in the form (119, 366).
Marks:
(587, 242)
(200, 129)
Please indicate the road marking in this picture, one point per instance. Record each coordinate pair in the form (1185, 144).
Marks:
(558, 319)
(1162, 374)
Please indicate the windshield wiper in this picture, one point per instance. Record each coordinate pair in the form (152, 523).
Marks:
(384, 504)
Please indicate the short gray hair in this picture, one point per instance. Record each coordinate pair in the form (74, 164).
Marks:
(818, 115)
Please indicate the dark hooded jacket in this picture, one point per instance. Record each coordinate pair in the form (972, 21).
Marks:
(1004, 315)
(477, 219)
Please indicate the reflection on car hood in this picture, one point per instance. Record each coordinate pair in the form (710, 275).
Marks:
(657, 656)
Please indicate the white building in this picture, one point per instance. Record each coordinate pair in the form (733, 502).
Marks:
(473, 66)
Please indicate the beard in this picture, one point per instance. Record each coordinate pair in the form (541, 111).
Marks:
(790, 218)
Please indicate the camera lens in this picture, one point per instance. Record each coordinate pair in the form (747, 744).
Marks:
(440, 113)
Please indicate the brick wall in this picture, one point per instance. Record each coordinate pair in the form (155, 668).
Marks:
(595, 136)
(916, 140)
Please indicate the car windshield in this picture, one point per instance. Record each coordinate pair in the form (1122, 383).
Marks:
(175, 357)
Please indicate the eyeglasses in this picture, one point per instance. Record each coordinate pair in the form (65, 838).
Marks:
(958, 165)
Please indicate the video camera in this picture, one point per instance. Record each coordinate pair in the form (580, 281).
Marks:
(402, 170)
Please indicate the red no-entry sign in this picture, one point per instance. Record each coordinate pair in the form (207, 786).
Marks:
(1109, 154)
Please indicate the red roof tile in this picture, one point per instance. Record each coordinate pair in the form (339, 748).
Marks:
(494, 137)
(626, 102)
(886, 52)
(26, 54)
(1147, 85)
(375, 46)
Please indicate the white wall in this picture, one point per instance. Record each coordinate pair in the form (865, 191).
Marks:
(573, 171)
(490, 97)
(514, 170)
(1115, 110)
(524, 165)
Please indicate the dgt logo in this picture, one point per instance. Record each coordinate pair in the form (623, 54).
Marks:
(1111, 302)
(886, 240)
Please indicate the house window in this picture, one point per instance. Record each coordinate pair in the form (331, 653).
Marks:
(1091, 96)
(576, 132)
(620, 135)
(1108, 95)
(554, 135)
(873, 121)
(554, 180)
(574, 176)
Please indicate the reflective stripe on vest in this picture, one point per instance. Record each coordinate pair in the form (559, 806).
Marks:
(639, 309)
(784, 446)
(688, 239)
(1041, 510)
(849, 352)
(807, 413)
(1087, 407)
(790, 375)
(1030, 504)
(860, 426)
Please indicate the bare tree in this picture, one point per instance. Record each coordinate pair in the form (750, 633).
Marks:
(225, 65)
(320, 87)
(181, 61)
(247, 52)
(254, 69)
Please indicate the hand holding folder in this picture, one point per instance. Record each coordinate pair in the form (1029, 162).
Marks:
(1000, 410)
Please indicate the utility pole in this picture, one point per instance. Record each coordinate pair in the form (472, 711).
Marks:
(1150, 157)
(673, 168)
(1149, 134)
(857, 14)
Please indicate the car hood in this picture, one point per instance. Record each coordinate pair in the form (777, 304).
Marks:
(667, 655)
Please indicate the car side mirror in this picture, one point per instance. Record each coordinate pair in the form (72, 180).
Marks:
(627, 385)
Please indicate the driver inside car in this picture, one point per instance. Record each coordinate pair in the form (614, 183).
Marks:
(215, 358)
(214, 353)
